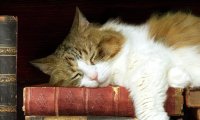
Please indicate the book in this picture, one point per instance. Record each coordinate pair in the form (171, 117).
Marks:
(8, 92)
(192, 97)
(198, 114)
(77, 118)
(193, 114)
(106, 101)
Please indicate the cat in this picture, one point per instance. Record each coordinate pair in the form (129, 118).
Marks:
(147, 59)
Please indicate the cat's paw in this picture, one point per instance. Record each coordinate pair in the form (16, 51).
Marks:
(160, 116)
(154, 116)
(178, 78)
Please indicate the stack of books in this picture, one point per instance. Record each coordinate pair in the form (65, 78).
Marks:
(107, 103)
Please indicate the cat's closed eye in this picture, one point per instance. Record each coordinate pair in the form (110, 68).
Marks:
(92, 59)
(77, 76)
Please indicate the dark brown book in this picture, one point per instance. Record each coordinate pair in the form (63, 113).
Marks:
(77, 118)
(192, 97)
(198, 114)
(193, 113)
(107, 101)
(8, 92)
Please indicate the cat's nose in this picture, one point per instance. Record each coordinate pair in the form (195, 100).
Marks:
(94, 76)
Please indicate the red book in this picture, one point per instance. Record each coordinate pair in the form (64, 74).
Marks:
(107, 101)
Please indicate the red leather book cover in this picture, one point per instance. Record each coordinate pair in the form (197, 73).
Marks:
(107, 101)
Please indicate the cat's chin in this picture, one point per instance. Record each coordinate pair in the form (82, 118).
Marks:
(89, 84)
(86, 82)
(94, 84)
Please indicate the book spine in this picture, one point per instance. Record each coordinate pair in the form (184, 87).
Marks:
(8, 92)
(77, 118)
(192, 98)
(108, 101)
(198, 114)
(193, 113)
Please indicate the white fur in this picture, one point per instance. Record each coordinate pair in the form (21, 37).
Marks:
(101, 70)
(178, 77)
(146, 69)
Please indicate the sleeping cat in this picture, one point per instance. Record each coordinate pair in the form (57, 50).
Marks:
(146, 58)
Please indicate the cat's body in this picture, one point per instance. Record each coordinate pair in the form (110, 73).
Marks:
(139, 49)
(146, 59)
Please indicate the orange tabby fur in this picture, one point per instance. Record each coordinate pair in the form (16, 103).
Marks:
(175, 29)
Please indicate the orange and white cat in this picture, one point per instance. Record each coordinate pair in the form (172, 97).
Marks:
(146, 58)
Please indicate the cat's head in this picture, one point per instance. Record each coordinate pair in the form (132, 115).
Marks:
(85, 56)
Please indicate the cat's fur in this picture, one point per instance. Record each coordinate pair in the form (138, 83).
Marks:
(146, 59)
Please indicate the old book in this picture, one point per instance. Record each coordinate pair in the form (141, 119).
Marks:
(77, 118)
(107, 101)
(8, 33)
(192, 97)
(193, 113)
(198, 114)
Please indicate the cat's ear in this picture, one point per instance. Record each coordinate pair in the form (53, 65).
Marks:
(110, 45)
(46, 64)
(80, 22)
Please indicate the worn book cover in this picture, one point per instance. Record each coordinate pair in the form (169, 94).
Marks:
(8, 92)
(106, 101)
